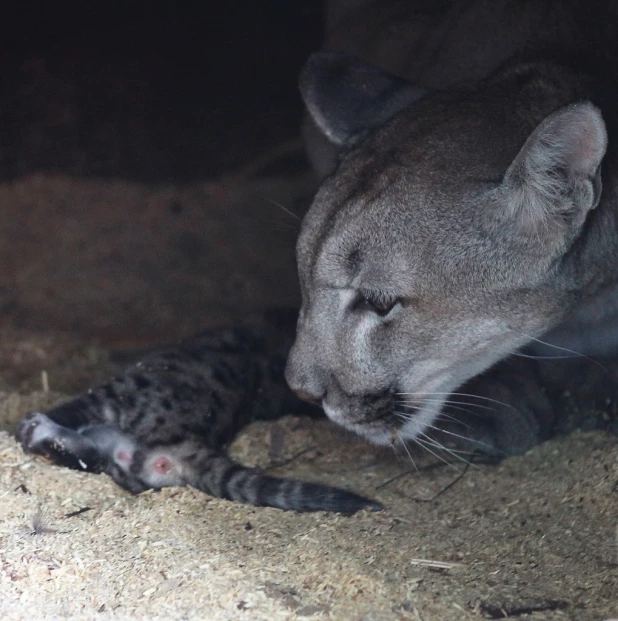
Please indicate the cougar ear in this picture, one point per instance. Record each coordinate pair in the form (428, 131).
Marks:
(345, 96)
(555, 180)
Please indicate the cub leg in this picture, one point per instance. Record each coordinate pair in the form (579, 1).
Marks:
(39, 434)
(83, 410)
(62, 435)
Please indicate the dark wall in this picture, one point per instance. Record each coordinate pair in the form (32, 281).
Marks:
(148, 90)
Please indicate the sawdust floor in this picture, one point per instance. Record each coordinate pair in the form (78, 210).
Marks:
(93, 271)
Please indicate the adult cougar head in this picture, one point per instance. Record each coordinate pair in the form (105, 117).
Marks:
(445, 239)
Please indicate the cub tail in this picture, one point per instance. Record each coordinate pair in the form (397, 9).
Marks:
(216, 474)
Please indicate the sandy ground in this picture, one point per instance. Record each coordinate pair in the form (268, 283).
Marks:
(94, 271)
(532, 538)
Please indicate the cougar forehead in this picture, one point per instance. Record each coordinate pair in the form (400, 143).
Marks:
(403, 234)
(417, 147)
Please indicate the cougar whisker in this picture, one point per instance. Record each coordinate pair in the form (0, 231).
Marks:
(560, 348)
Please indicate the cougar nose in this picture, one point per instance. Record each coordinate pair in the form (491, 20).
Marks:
(307, 386)
(305, 396)
(306, 378)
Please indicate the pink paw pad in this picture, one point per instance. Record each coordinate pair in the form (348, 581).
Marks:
(124, 456)
(162, 465)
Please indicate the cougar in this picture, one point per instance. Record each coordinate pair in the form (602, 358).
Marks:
(467, 223)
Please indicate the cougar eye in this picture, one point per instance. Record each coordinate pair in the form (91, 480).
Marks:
(377, 306)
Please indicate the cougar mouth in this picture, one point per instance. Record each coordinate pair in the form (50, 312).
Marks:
(370, 416)
(376, 431)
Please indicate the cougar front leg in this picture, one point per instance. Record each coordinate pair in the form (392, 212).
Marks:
(505, 411)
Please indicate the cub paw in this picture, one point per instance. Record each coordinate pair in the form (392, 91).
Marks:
(39, 434)
(36, 432)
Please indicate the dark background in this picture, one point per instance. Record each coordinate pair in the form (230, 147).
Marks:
(149, 91)
(132, 211)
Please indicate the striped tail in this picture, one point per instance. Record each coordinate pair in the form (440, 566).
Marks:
(219, 476)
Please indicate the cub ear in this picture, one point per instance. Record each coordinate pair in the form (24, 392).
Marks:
(345, 96)
(555, 180)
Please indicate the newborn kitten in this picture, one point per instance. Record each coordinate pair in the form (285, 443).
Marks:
(167, 420)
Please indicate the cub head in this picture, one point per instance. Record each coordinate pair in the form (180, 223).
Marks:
(444, 241)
